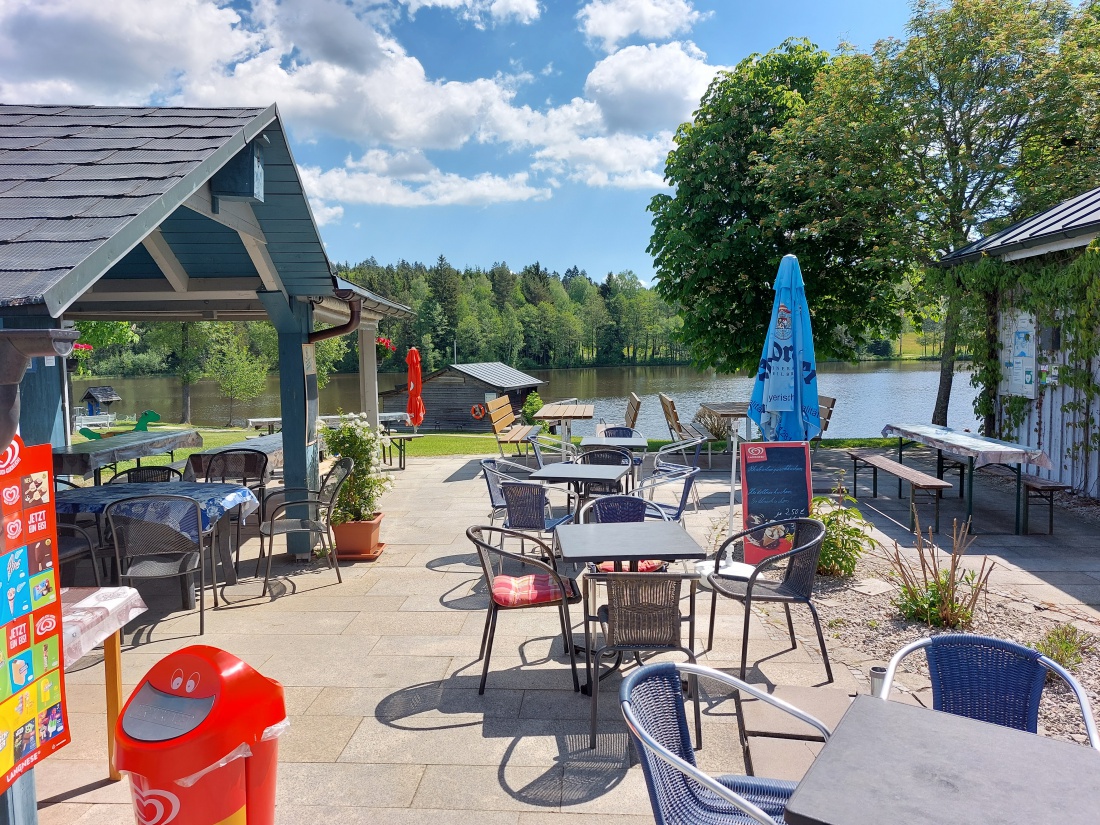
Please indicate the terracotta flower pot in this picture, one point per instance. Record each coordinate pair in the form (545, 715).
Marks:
(358, 540)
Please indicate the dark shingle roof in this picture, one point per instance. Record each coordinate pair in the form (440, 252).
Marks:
(496, 374)
(1071, 223)
(104, 395)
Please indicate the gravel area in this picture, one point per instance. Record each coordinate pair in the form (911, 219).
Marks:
(865, 629)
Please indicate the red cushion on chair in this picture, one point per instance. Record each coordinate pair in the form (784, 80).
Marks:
(519, 591)
(646, 566)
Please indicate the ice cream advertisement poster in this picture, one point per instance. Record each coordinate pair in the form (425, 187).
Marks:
(33, 718)
(775, 486)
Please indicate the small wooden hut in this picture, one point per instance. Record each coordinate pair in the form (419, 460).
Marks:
(100, 399)
(452, 394)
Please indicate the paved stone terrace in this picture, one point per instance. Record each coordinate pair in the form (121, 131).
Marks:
(381, 673)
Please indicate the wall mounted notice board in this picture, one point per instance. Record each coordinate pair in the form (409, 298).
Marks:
(775, 484)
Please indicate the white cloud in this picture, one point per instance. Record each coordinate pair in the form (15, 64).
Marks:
(612, 21)
(498, 11)
(374, 180)
(646, 88)
(625, 161)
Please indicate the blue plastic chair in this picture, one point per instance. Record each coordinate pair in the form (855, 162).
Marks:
(652, 701)
(991, 680)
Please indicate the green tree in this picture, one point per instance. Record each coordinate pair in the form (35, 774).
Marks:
(240, 373)
(187, 345)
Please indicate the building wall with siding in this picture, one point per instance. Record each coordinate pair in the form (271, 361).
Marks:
(448, 398)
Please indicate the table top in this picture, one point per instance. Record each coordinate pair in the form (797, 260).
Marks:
(91, 614)
(213, 499)
(563, 412)
(727, 409)
(562, 471)
(634, 442)
(271, 445)
(81, 459)
(630, 541)
(906, 765)
(969, 445)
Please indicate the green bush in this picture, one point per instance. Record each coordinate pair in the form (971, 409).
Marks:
(847, 534)
(129, 363)
(1066, 645)
(531, 405)
(355, 439)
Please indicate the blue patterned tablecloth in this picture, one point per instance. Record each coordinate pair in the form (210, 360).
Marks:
(213, 499)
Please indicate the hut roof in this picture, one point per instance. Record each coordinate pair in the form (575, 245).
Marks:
(499, 375)
(103, 395)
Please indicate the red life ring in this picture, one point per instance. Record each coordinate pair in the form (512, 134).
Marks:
(478, 411)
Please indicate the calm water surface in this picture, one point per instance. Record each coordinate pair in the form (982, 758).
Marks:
(869, 395)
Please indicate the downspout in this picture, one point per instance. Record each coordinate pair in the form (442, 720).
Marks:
(355, 306)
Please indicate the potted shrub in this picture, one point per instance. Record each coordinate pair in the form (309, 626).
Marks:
(355, 517)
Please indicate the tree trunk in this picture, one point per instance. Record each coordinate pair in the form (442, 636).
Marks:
(993, 356)
(185, 415)
(947, 362)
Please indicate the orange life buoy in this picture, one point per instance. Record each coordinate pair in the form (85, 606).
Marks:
(478, 411)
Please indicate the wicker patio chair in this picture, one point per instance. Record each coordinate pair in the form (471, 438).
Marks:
(545, 588)
(795, 587)
(75, 543)
(642, 615)
(318, 523)
(528, 511)
(161, 537)
(621, 510)
(652, 703)
(496, 471)
(607, 456)
(146, 475)
(247, 468)
(991, 680)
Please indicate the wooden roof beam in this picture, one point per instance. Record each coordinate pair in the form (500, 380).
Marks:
(159, 250)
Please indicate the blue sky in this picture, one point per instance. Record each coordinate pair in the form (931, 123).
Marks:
(481, 130)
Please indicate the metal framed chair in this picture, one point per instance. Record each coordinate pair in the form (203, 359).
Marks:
(279, 522)
(652, 703)
(795, 587)
(685, 477)
(545, 588)
(552, 446)
(642, 615)
(607, 456)
(496, 471)
(619, 510)
(146, 475)
(161, 537)
(75, 543)
(528, 510)
(989, 679)
(247, 468)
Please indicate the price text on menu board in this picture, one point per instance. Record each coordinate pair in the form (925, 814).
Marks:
(33, 721)
(775, 485)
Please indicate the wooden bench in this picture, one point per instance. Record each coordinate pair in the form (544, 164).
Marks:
(684, 432)
(1038, 489)
(391, 439)
(918, 481)
(506, 426)
(99, 420)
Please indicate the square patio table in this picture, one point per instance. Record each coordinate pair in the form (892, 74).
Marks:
(976, 449)
(215, 501)
(90, 457)
(635, 442)
(627, 543)
(566, 414)
(889, 762)
(579, 475)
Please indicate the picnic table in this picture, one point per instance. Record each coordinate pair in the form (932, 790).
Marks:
(976, 450)
(566, 414)
(276, 422)
(90, 457)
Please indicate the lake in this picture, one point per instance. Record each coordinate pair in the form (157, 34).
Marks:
(869, 395)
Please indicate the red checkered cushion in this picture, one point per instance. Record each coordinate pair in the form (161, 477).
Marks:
(646, 566)
(520, 591)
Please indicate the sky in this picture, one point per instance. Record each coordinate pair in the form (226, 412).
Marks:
(484, 131)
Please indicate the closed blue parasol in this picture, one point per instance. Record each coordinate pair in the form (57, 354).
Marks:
(784, 397)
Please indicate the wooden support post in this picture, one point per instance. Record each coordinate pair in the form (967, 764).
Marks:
(112, 666)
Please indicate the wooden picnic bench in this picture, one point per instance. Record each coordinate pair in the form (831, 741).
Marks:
(684, 432)
(918, 481)
(1038, 489)
(506, 426)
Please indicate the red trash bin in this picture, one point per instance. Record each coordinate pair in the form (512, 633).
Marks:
(199, 738)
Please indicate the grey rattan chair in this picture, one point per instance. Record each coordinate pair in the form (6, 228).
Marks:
(146, 475)
(161, 537)
(247, 468)
(621, 510)
(652, 703)
(320, 503)
(642, 615)
(496, 471)
(528, 510)
(991, 680)
(545, 588)
(608, 456)
(795, 587)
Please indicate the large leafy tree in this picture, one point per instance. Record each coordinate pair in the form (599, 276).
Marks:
(716, 241)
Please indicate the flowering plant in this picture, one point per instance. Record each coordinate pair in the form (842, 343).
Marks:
(385, 346)
(83, 354)
(354, 438)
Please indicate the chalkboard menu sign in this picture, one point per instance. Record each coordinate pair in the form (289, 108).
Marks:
(775, 484)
